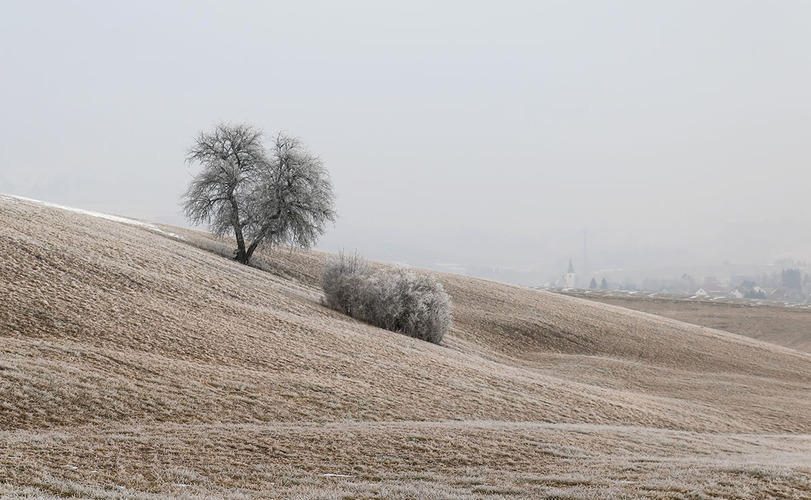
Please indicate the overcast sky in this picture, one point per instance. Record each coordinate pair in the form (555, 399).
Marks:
(465, 132)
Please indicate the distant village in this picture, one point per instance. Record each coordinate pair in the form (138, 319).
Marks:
(785, 281)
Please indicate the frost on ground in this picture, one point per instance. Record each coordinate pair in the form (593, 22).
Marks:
(114, 218)
(158, 365)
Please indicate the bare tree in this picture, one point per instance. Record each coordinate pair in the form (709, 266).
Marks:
(292, 201)
(284, 197)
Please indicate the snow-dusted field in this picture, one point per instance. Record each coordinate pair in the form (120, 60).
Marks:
(114, 218)
(135, 364)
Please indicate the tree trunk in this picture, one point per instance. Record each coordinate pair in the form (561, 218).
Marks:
(241, 255)
(263, 235)
(252, 248)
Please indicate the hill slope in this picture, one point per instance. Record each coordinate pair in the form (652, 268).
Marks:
(778, 323)
(135, 355)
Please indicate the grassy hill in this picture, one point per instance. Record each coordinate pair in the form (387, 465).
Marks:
(776, 322)
(137, 362)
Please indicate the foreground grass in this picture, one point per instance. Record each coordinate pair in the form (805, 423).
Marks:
(403, 460)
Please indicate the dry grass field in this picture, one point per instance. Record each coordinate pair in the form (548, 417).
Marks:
(775, 322)
(137, 362)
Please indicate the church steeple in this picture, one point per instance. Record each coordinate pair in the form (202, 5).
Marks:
(570, 278)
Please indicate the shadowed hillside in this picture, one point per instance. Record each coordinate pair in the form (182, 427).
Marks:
(135, 360)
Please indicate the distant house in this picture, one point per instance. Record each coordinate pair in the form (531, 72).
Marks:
(561, 283)
(711, 290)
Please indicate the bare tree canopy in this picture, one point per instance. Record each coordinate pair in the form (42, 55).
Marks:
(283, 195)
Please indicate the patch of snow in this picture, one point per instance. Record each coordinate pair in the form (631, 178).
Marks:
(114, 218)
(335, 475)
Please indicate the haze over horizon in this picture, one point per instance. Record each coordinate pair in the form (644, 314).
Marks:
(460, 133)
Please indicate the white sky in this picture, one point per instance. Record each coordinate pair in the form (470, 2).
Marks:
(463, 132)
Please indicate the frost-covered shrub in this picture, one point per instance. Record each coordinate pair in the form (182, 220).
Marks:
(395, 299)
(343, 281)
